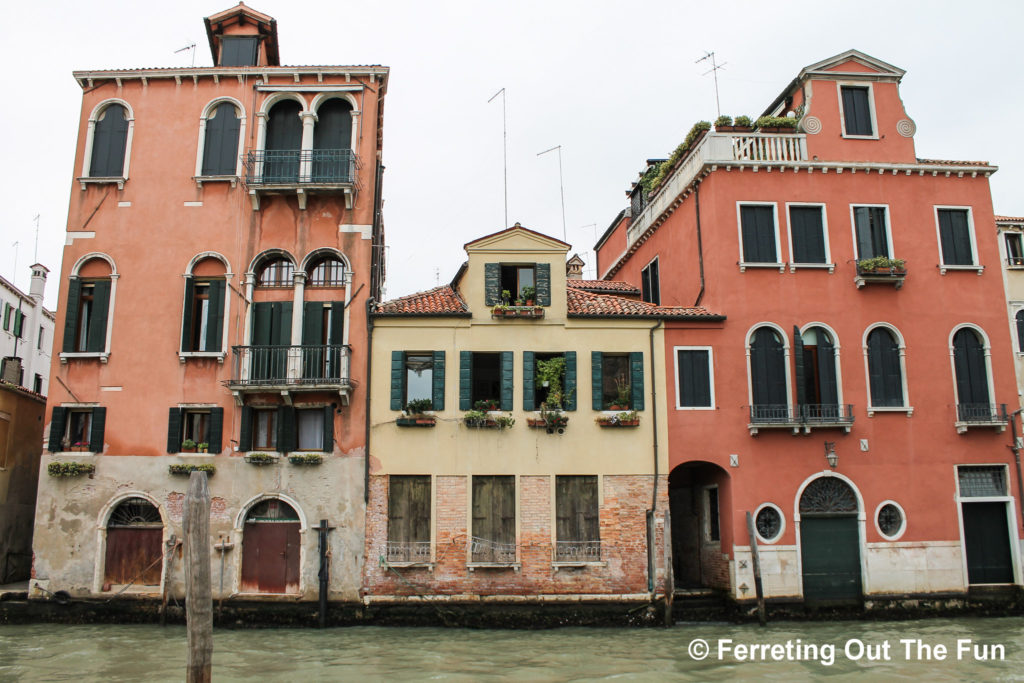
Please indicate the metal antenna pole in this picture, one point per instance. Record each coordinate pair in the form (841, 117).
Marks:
(14, 277)
(714, 70)
(191, 47)
(35, 254)
(561, 186)
(504, 144)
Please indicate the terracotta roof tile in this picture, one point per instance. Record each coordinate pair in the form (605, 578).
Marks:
(588, 304)
(599, 286)
(952, 162)
(443, 300)
(1010, 219)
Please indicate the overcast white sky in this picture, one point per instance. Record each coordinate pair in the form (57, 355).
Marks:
(613, 83)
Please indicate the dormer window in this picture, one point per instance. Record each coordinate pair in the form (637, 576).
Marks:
(856, 105)
(515, 278)
(239, 50)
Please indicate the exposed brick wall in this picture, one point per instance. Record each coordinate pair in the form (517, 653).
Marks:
(623, 543)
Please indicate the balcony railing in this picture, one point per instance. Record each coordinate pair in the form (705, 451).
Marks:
(415, 552)
(486, 551)
(294, 167)
(806, 416)
(981, 413)
(577, 551)
(290, 366)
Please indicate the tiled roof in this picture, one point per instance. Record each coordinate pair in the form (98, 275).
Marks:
(443, 300)
(1010, 219)
(599, 286)
(587, 304)
(951, 162)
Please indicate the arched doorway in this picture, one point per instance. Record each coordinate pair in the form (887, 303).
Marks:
(699, 507)
(830, 542)
(135, 534)
(270, 548)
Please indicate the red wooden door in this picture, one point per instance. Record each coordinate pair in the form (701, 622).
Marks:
(133, 556)
(270, 557)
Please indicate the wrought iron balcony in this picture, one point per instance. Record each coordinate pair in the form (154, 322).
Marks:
(805, 417)
(981, 415)
(302, 170)
(408, 552)
(573, 552)
(484, 551)
(290, 368)
(821, 414)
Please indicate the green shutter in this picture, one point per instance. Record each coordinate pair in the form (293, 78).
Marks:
(336, 334)
(262, 315)
(438, 377)
(57, 421)
(529, 380)
(283, 324)
(465, 380)
(328, 429)
(215, 436)
(99, 422)
(71, 305)
(570, 381)
(798, 365)
(543, 284)
(97, 340)
(312, 323)
(596, 380)
(186, 322)
(286, 436)
(215, 319)
(636, 380)
(397, 379)
(507, 386)
(245, 430)
(174, 430)
(492, 283)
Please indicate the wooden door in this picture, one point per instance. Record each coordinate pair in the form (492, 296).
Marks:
(830, 555)
(133, 556)
(987, 543)
(270, 557)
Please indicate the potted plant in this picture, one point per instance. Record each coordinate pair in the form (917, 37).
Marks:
(188, 446)
(70, 469)
(80, 447)
(185, 469)
(624, 419)
(415, 414)
(478, 419)
(486, 404)
(203, 447)
(506, 296)
(305, 458)
(776, 124)
(882, 265)
(504, 421)
(529, 294)
(742, 124)
(260, 459)
(623, 394)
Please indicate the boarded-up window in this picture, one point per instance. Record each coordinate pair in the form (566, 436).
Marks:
(856, 110)
(757, 225)
(408, 518)
(577, 530)
(955, 237)
(807, 231)
(494, 519)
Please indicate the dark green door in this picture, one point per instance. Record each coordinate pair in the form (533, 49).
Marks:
(830, 554)
(987, 540)
(271, 336)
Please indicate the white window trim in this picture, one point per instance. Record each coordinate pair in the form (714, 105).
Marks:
(711, 374)
(782, 528)
(837, 349)
(1011, 519)
(1004, 250)
(793, 265)
(888, 228)
(906, 407)
(786, 359)
(228, 275)
(90, 136)
(114, 276)
(903, 526)
(207, 112)
(871, 107)
(1015, 307)
(779, 263)
(987, 349)
(943, 267)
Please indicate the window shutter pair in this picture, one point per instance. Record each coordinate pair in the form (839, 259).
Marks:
(220, 148)
(955, 237)
(466, 380)
(856, 111)
(398, 380)
(636, 380)
(971, 374)
(869, 222)
(757, 224)
(492, 283)
(692, 366)
(215, 315)
(807, 233)
(96, 332)
(110, 138)
(58, 422)
(213, 438)
(884, 371)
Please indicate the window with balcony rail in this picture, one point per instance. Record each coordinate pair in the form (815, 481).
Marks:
(494, 520)
(577, 524)
(408, 519)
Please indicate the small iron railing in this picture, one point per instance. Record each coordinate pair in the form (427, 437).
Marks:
(577, 551)
(305, 166)
(408, 551)
(981, 412)
(772, 413)
(485, 550)
(830, 413)
(806, 413)
(290, 365)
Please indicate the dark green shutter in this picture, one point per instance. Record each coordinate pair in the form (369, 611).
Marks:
(827, 369)
(214, 438)
(465, 380)
(245, 430)
(282, 333)
(397, 379)
(262, 319)
(99, 421)
(636, 380)
(97, 340)
(437, 393)
(798, 364)
(186, 319)
(692, 366)
(71, 304)
(57, 421)
(286, 436)
(955, 237)
(312, 323)
(336, 335)
(570, 381)
(507, 385)
(328, 429)
(529, 380)
(215, 318)
(596, 380)
(543, 284)
(806, 231)
(492, 283)
(757, 225)
(174, 430)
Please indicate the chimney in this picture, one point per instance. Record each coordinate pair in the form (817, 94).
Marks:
(35, 290)
(574, 268)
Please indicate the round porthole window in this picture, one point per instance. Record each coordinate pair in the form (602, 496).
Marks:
(769, 523)
(891, 520)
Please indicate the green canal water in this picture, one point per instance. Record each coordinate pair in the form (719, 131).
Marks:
(369, 653)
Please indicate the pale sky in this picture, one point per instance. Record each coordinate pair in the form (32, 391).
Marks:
(613, 83)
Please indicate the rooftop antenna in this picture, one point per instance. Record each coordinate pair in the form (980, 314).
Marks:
(35, 253)
(561, 186)
(504, 145)
(590, 251)
(191, 46)
(14, 278)
(713, 70)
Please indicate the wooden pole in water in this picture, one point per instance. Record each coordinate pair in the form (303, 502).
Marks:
(758, 590)
(198, 594)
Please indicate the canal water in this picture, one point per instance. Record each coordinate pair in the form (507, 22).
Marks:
(369, 653)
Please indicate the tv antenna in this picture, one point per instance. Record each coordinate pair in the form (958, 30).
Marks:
(192, 47)
(35, 254)
(715, 66)
(504, 145)
(561, 186)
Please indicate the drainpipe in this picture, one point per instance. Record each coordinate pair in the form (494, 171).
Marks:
(366, 416)
(1016, 455)
(651, 564)
(700, 244)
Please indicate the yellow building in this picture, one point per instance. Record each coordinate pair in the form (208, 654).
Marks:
(518, 451)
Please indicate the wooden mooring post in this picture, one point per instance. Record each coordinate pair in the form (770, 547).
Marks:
(198, 594)
(756, 561)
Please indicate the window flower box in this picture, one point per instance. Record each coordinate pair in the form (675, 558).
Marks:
(479, 419)
(80, 447)
(881, 269)
(70, 469)
(306, 458)
(553, 422)
(416, 421)
(186, 470)
(627, 419)
(504, 311)
(261, 459)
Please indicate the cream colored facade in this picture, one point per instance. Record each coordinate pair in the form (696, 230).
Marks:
(1011, 234)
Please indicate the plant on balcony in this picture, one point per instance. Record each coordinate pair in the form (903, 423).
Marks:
(504, 421)
(70, 469)
(415, 414)
(186, 469)
(743, 122)
(260, 459)
(776, 124)
(624, 419)
(551, 420)
(623, 393)
(882, 265)
(506, 296)
(486, 404)
(480, 419)
(529, 294)
(517, 311)
(203, 447)
(723, 120)
(725, 124)
(79, 447)
(188, 446)
(305, 458)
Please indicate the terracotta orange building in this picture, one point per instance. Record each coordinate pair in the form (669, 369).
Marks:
(854, 400)
(223, 239)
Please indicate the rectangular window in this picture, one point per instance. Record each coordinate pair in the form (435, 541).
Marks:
(79, 429)
(195, 426)
(516, 277)
(871, 231)
(419, 377)
(712, 532)
(311, 429)
(807, 234)
(857, 110)
(651, 283)
(757, 229)
(694, 378)
(239, 50)
(542, 390)
(264, 429)
(204, 310)
(486, 373)
(616, 389)
(39, 339)
(981, 481)
(408, 519)
(37, 384)
(577, 528)
(955, 239)
(7, 316)
(1014, 249)
(494, 520)
(19, 320)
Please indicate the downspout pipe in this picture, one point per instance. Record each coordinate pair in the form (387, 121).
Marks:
(700, 244)
(651, 564)
(366, 416)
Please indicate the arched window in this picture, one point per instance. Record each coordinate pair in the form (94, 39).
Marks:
(1020, 330)
(885, 370)
(817, 385)
(109, 142)
(202, 324)
(327, 271)
(88, 304)
(972, 388)
(332, 143)
(769, 400)
(276, 273)
(283, 143)
(220, 148)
